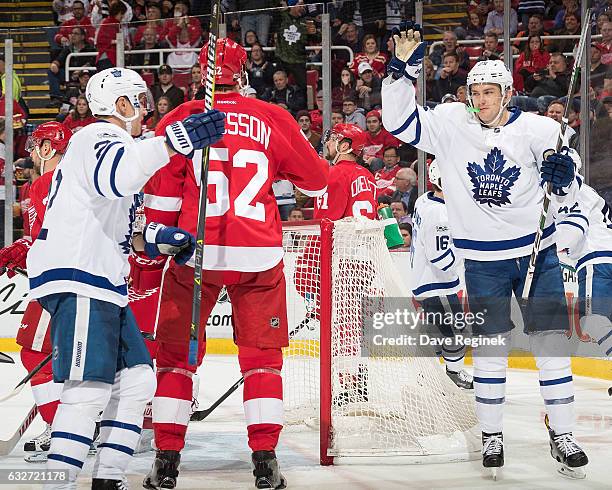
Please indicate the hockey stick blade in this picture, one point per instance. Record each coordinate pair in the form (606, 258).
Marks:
(25, 380)
(6, 447)
(200, 415)
(6, 358)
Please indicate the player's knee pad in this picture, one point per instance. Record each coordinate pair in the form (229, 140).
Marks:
(90, 397)
(251, 358)
(137, 383)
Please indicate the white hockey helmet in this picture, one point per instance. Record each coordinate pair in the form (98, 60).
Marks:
(490, 71)
(434, 174)
(105, 87)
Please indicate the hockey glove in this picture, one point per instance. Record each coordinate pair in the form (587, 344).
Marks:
(409, 51)
(145, 273)
(558, 168)
(14, 256)
(195, 132)
(168, 240)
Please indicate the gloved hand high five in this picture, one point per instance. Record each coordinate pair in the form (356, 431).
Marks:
(195, 132)
(14, 256)
(168, 240)
(558, 168)
(409, 50)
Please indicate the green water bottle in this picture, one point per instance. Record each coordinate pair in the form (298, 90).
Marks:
(392, 232)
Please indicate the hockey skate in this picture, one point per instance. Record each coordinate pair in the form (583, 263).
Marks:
(462, 379)
(266, 472)
(105, 484)
(567, 452)
(493, 452)
(39, 447)
(165, 470)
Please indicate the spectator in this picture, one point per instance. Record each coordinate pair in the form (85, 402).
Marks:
(249, 92)
(79, 19)
(16, 80)
(569, 6)
(256, 19)
(535, 27)
(571, 28)
(19, 116)
(348, 35)
(549, 85)
(386, 175)
(250, 38)
(601, 20)
(292, 37)
(65, 9)
(462, 94)
(555, 110)
(400, 211)
(352, 113)
(259, 69)
(451, 77)
(196, 82)
(346, 89)
(148, 40)
(74, 90)
(598, 69)
(162, 107)
(166, 87)
(395, 14)
(316, 115)
(404, 188)
(285, 197)
(285, 94)
(2, 162)
(378, 139)
(183, 29)
(106, 37)
(56, 71)
(167, 9)
(102, 10)
(303, 119)
(337, 117)
(532, 60)
(450, 45)
(528, 9)
(139, 12)
(372, 55)
(449, 98)
(80, 116)
(473, 26)
(368, 88)
(605, 45)
(181, 61)
(296, 214)
(495, 19)
(491, 47)
(430, 78)
(406, 231)
(154, 20)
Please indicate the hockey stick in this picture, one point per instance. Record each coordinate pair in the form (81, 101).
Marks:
(25, 380)
(6, 358)
(564, 122)
(6, 447)
(202, 414)
(209, 95)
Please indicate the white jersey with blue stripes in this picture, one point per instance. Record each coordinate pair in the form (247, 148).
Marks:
(491, 176)
(434, 259)
(86, 234)
(584, 228)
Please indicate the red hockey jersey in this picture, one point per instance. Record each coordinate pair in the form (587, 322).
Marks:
(351, 191)
(376, 144)
(262, 143)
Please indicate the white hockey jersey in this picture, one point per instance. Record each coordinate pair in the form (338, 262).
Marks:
(584, 227)
(434, 260)
(491, 177)
(86, 234)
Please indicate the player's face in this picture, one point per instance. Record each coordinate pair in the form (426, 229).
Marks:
(488, 98)
(373, 124)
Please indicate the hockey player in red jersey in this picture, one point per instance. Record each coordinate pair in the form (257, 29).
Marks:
(243, 251)
(351, 190)
(47, 146)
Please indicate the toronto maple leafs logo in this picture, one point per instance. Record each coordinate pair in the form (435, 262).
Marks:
(292, 35)
(492, 183)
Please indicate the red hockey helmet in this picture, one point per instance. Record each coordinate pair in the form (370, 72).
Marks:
(231, 59)
(354, 133)
(57, 133)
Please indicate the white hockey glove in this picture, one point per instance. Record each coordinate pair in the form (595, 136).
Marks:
(409, 51)
(195, 132)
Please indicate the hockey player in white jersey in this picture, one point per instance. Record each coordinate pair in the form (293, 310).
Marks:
(584, 232)
(78, 265)
(434, 275)
(494, 161)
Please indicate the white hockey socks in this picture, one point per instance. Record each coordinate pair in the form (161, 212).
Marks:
(490, 391)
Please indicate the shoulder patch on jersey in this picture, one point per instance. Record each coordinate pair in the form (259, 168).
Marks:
(492, 182)
(441, 228)
(107, 135)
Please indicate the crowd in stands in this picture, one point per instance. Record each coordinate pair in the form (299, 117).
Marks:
(284, 41)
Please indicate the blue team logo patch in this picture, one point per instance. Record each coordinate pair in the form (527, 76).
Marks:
(492, 183)
(116, 73)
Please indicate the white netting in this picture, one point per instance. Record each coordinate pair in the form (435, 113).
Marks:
(403, 405)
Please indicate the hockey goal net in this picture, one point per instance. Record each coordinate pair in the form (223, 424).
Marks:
(364, 406)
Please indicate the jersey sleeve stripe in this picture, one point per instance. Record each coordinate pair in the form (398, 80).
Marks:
(113, 172)
(441, 257)
(407, 123)
(450, 264)
(100, 157)
(577, 215)
(162, 203)
(571, 223)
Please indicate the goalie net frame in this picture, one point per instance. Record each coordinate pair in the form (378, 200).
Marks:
(329, 455)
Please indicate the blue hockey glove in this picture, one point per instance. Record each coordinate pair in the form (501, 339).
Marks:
(196, 132)
(168, 240)
(558, 168)
(409, 51)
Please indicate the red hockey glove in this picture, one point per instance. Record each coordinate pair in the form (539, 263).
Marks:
(14, 256)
